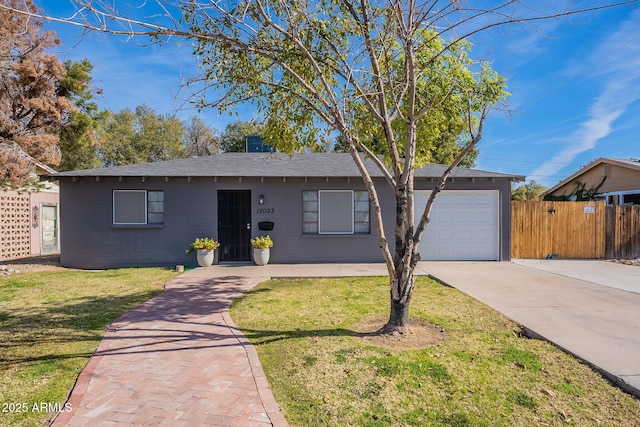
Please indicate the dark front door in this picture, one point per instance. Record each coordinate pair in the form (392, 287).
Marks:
(234, 225)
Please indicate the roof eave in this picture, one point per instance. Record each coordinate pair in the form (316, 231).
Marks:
(587, 168)
(576, 174)
(60, 175)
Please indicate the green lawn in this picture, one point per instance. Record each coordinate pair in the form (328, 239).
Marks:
(50, 325)
(323, 373)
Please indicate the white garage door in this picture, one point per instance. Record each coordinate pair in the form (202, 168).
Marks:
(464, 226)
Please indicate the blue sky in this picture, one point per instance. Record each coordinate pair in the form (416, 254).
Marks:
(575, 86)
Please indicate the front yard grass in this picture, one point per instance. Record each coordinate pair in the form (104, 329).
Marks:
(485, 373)
(50, 325)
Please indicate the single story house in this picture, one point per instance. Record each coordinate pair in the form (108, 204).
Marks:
(620, 180)
(314, 207)
(29, 218)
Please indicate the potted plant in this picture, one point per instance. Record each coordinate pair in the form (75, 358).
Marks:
(205, 250)
(261, 251)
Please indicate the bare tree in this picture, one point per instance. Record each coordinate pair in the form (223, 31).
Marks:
(394, 72)
(200, 140)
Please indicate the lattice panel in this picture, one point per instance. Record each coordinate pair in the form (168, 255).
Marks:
(15, 240)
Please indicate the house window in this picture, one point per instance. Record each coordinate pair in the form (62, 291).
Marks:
(155, 207)
(335, 212)
(631, 199)
(138, 207)
(310, 212)
(361, 212)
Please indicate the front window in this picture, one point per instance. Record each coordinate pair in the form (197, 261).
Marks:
(335, 212)
(134, 207)
(155, 207)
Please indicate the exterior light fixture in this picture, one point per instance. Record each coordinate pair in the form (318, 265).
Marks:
(261, 199)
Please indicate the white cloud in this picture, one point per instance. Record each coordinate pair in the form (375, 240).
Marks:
(616, 63)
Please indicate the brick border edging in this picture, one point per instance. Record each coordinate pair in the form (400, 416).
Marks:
(79, 389)
(262, 385)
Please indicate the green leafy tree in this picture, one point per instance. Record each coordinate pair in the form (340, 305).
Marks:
(444, 150)
(376, 74)
(440, 138)
(398, 73)
(234, 137)
(529, 191)
(79, 135)
(140, 136)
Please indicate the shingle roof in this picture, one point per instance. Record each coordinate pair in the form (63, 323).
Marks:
(269, 165)
(633, 163)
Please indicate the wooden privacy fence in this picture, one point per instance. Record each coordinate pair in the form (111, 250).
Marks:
(574, 230)
(564, 229)
(623, 232)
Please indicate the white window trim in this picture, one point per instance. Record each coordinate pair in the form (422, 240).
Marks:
(320, 212)
(620, 195)
(146, 214)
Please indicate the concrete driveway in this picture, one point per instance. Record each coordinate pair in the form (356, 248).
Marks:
(589, 308)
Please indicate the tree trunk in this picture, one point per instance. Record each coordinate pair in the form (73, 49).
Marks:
(398, 322)
(402, 278)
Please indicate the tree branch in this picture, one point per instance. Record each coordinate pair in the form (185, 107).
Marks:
(440, 185)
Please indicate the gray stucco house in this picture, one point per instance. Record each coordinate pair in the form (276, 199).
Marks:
(314, 207)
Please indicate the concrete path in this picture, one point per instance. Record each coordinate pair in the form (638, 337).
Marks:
(589, 308)
(177, 360)
(300, 270)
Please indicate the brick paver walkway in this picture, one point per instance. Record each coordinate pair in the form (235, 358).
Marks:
(177, 360)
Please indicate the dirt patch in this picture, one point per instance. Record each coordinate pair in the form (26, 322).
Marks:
(421, 334)
(635, 262)
(31, 264)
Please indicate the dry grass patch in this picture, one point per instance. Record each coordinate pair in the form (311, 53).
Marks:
(323, 370)
(50, 325)
(421, 334)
